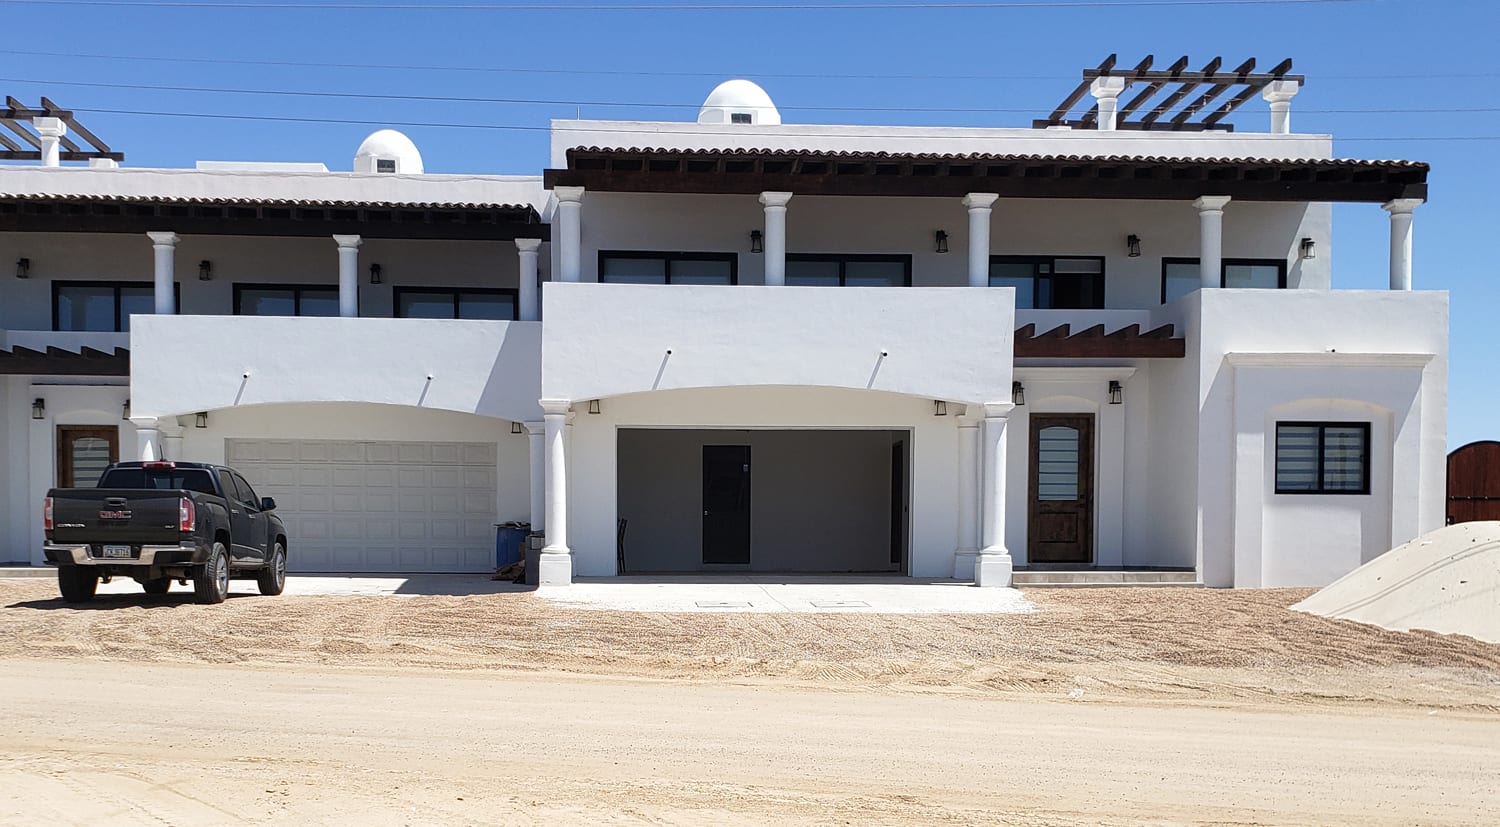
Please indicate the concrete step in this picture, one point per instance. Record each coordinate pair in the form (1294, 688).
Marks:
(1086, 577)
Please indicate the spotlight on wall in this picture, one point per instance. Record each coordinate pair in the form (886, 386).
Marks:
(38, 408)
(1307, 248)
(125, 410)
(1017, 393)
(23, 268)
(515, 428)
(201, 420)
(593, 406)
(374, 273)
(1116, 393)
(205, 270)
(940, 241)
(939, 407)
(757, 241)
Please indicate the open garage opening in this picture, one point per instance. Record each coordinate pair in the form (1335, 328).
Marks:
(803, 501)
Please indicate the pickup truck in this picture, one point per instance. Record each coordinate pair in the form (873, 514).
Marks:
(156, 522)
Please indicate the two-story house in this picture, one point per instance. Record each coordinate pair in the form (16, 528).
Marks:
(1109, 341)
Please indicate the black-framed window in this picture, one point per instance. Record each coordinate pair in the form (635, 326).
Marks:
(1181, 276)
(103, 306)
(1322, 458)
(285, 300)
(644, 267)
(498, 303)
(847, 270)
(1051, 282)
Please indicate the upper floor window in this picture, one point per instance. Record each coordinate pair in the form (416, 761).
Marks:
(630, 267)
(1051, 282)
(100, 305)
(740, 117)
(1180, 276)
(285, 300)
(455, 303)
(834, 270)
(1322, 457)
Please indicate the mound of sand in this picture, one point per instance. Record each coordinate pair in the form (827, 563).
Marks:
(1445, 581)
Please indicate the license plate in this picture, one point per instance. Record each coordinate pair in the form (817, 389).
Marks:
(117, 551)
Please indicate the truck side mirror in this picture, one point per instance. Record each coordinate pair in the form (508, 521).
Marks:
(267, 504)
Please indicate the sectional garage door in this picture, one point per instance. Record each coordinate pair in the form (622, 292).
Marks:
(377, 506)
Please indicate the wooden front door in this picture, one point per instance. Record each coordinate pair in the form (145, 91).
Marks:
(83, 452)
(726, 504)
(1474, 483)
(1060, 514)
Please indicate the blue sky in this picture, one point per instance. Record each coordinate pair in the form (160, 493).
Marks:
(1020, 61)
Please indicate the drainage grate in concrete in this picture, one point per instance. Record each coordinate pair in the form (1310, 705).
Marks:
(840, 604)
(722, 604)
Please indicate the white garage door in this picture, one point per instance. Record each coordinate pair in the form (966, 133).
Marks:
(377, 506)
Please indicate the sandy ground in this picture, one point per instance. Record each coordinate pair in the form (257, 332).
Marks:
(1106, 706)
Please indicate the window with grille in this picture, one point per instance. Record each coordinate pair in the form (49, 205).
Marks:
(1322, 457)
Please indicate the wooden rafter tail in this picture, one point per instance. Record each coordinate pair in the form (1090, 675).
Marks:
(1105, 67)
(1026, 331)
(26, 353)
(1126, 333)
(94, 353)
(1186, 88)
(1062, 331)
(1095, 332)
(1213, 92)
(1163, 332)
(6, 142)
(26, 136)
(1280, 69)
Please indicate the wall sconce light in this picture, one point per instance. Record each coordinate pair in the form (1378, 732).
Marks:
(939, 407)
(757, 241)
(205, 270)
(23, 268)
(125, 410)
(38, 408)
(940, 241)
(1133, 245)
(374, 273)
(1307, 248)
(201, 420)
(515, 427)
(1116, 393)
(1017, 393)
(593, 406)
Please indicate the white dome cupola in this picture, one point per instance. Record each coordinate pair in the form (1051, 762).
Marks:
(388, 151)
(739, 102)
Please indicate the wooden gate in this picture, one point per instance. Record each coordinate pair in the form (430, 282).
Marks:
(1474, 483)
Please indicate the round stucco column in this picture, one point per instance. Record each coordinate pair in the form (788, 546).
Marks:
(979, 205)
(775, 257)
(968, 498)
(164, 248)
(536, 431)
(348, 275)
(993, 565)
(51, 130)
(147, 438)
(1279, 94)
(569, 238)
(555, 563)
(1106, 92)
(529, 309)
(1211, 239)
(1401, 210)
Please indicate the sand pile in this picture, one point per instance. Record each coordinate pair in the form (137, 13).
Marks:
(1445, 581)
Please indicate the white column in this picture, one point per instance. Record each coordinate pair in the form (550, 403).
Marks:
(569, 227)
(1106, 92)
(147, 438)
(535, 432)
(555, 564)
(51, 130)
(775, 204)
(165, 246)
(1400, 211)
(968, 498)
(171, 438)
(526, 251)
(1279, 94)
(1211, 239)
(993, 565)
(348, 274)
(979, 205)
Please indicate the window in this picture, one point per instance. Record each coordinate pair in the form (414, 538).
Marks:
(739, 117)
(1179, 276)
(1051, 283)
(816, 270)
(1322, 458)
(100, 305)
(285, 300)
(179, 479)
(245, 492)
(628, 267)
(385, 165)
(452, 303)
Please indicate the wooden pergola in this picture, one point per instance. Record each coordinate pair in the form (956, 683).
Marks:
(16, 122)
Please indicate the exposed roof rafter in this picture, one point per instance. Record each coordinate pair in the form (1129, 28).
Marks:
(17, 118)
(1179, 86)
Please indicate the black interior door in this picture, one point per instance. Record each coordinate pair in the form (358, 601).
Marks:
(726, 504)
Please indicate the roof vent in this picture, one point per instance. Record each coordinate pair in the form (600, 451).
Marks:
(739, 102)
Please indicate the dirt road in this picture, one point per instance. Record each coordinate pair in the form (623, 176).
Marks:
(299, 744)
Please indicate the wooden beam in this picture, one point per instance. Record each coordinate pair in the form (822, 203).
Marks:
(1213, 92)
(1189, 82)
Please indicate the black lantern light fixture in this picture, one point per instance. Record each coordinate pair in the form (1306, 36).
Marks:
(939, 407)
(1307, 248)
(205, 270)
(201, 420)
(1133, 245)
(1017, 393)
(757, 241)
(23, 268)
(1116, 392)
(39, 408)
(125, 410)
(375, 273)
(940, 241)
(593, 406)
(515, 427)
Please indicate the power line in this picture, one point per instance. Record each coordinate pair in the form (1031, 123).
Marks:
(995, 5)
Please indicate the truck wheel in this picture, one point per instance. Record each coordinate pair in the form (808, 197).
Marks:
(211, 581)
(157, 586)
(77, 584)
(272, 578)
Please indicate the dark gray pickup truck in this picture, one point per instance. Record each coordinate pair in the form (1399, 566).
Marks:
(156, 522)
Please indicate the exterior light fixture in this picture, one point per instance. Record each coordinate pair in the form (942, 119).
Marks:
(1133, 245)
(23, 268)
(125, 410)
(515, 427)
(940, 241)
(201, 419)
(1017, 393)
(1116, 393)
(939, 407)
(1307, 248)
(593, 406)
(374, 273)
(757, 241)
(38, 408)
(205, 270)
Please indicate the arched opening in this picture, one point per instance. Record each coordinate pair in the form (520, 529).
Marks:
(1474, 483)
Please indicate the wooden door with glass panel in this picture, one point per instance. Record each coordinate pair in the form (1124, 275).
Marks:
(1060, 522)
(83, 452)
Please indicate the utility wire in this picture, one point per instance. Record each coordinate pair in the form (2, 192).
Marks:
(727, 6)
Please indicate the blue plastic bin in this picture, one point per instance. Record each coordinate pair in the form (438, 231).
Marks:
(510, 543)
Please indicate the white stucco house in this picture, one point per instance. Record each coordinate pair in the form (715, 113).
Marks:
(1110, 341)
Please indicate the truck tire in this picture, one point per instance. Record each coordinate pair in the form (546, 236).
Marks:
(157, 586)
(211, 581)
(272, 578)
(77, 584)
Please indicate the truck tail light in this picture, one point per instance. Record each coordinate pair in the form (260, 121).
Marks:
(186, 514)
(47, 514)
(159, 466)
